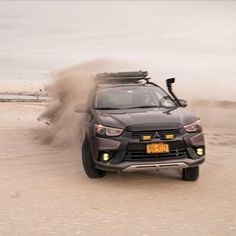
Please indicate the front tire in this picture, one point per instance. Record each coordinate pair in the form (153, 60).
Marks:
(88, 162)
(190, 174)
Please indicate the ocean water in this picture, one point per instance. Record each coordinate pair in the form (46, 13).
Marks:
(192, 41)
(19, 98)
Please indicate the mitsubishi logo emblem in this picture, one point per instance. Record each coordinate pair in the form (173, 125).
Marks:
(157, 135)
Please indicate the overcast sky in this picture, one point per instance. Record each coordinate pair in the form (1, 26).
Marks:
(193, 41)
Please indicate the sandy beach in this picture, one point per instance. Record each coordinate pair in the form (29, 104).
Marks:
(44, 190)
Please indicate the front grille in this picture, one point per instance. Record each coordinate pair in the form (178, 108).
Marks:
(141, 146)
(140, 155)
(160, 134)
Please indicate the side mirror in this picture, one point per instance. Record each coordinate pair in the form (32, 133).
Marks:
(81, 108)
(183, 102)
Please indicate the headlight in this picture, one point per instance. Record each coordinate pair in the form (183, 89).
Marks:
(194, 127)
(107, 131)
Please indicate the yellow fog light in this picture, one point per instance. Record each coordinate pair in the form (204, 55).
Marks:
(146, 137)
(200, 151)
(169, 136)
(105, 156)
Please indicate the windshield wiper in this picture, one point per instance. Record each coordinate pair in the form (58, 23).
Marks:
(169, 110)
(107, 108)
(151, 106)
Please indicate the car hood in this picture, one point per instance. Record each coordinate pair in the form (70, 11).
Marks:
(138, 119)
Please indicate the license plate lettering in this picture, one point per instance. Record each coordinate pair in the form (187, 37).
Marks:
(157, 148)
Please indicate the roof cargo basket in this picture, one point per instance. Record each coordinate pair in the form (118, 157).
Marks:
(122, 77)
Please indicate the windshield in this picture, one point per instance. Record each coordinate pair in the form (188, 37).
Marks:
(132, 97)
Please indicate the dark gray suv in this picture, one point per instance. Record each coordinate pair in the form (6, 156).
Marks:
(133, 124)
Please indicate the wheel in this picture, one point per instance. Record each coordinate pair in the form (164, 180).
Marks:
(88, 163)
(190, 174)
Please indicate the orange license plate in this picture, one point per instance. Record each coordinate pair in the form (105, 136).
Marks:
(157, 148)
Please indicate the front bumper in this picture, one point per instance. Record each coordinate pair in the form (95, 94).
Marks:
(128, 154)
(157, 165)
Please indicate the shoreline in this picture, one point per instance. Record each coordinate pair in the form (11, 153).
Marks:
(23, 97)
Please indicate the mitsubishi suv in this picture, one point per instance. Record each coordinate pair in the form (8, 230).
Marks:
(132, 124)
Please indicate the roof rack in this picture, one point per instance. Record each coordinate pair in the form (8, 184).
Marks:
(122, 77)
